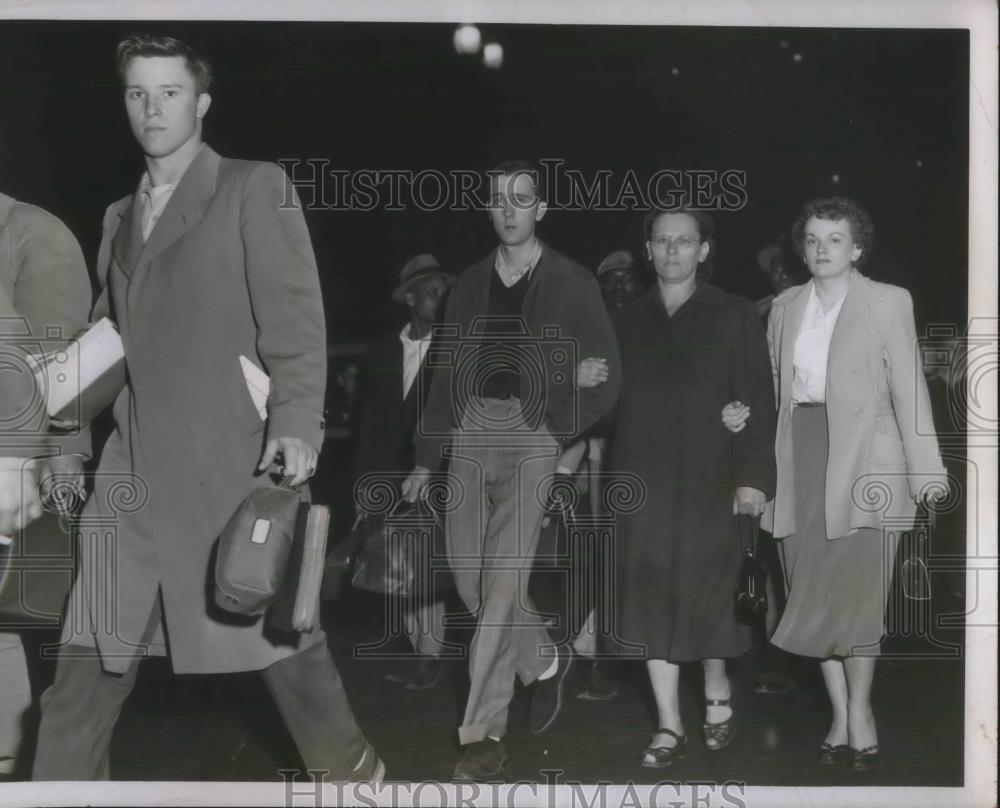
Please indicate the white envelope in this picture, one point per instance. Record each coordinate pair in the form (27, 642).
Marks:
(258, 385)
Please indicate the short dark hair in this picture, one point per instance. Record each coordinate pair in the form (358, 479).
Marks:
(832, 209)
(513, 168)
(146, 45)
(706, 233)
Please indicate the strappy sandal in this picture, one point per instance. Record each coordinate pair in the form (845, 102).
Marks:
(719, 736)
(660, 757)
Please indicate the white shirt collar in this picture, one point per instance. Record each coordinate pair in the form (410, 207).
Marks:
(508, 275)
(404, 335)
(814, 308)
(146, 186)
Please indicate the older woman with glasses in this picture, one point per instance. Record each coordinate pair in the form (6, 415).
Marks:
(853, 460)
(688, 348)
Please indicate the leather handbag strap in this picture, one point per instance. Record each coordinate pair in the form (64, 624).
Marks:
(420, 506)
(748, 527)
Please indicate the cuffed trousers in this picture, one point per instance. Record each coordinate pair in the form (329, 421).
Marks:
(504, 470)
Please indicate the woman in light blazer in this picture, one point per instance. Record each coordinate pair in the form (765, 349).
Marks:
(856, 452)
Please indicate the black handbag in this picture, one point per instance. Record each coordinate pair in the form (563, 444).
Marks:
(403, 553)
(751, 584)
(340, 563)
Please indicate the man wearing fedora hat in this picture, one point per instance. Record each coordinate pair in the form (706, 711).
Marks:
(619, 281)
(620, 284)
(395, 383)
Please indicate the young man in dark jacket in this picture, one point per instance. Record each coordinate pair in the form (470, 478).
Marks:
(502, 406)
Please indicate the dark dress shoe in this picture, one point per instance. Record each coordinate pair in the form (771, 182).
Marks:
(774, 685)
(830, 755)
(599, 686)
(864, 759)
(481, 761)
(547, 695)
(403, 674)
(425, 675)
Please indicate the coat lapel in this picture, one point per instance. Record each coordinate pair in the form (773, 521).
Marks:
(128, 236)
(186, 207)
(860, 295)
(794, 310)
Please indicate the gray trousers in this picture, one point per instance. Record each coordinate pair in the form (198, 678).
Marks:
(504, 470)
(80, 709)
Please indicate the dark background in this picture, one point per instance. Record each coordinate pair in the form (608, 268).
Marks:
(866, 105)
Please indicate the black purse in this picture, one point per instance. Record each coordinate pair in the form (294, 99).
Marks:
(403, 553)
(339, 565)
(751, 584)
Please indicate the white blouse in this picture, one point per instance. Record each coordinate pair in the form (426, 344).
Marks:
(812, 345)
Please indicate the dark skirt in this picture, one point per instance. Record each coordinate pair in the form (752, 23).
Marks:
(837, 587)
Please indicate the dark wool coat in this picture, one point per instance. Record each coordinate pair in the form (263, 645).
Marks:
(679, 554)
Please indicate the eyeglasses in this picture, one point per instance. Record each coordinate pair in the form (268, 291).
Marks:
(681, 242)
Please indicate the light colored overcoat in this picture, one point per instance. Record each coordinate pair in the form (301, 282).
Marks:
(883, 448)
(228, 270)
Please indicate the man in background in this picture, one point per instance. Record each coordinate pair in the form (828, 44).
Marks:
(620, 284)
(619, 280)
(396, 381)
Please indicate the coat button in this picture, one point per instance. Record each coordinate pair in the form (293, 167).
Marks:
(858, 411)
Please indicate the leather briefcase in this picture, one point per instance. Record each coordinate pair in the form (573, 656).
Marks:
(254, 548)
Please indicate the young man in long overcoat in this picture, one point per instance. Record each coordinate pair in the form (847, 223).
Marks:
(207, 262)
